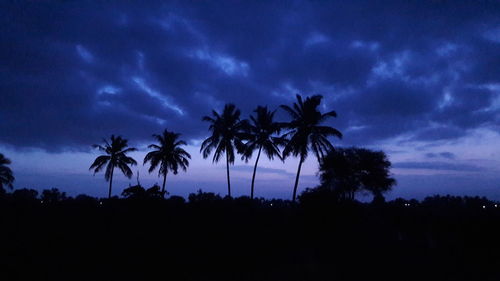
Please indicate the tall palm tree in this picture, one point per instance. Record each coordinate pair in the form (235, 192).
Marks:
(227, 134)
(6, 176)
(261, 135)
(168, 154)
(115, 156)
(306, 132)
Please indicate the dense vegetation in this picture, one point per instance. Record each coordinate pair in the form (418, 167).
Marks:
(146, 237)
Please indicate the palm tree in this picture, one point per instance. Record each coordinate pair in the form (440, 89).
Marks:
(227, 134)
(115, 157)
(306, 132)
(6, 177)
(261, 133)
(168, 154)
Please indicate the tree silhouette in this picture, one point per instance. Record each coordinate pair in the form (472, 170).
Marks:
(115, 157)
(168, 154)
(6, 176)
(348, 170)
(53, 195)
(261, 135)
(227, 134)
(306, 132)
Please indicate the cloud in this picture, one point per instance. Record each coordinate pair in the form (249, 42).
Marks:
(445, 154)
(438, 166)
(73, 73)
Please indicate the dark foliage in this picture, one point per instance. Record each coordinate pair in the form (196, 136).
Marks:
(6, 175)
(351, 170)
(51, 196)
(306, 132)
(214, 238)
(168, 155)
(139, 192)
(261, 135)
(115, 157)
(227, 135)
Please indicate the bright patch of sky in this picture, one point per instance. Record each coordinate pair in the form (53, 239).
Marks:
(477, 150)
(393, 67)
(84, 54)
(316, 38)
(359, 44)
(446, 100)
(151, 92)
(108, 90)
(225, 63)
(286, 91)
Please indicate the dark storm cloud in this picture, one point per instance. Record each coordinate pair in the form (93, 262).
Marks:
(75, 72)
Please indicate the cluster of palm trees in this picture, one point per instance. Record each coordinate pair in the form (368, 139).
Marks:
(232, 136)
(168, 155)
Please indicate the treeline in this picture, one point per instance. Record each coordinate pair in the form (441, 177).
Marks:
(310, 198)
(232, 136)
(50, 236)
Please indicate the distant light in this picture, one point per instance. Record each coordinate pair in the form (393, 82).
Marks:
(484, 207)
(271, 204)
(100, 203)
(496, 205)
(41, 201)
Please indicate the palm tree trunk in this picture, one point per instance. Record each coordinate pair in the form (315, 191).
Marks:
(255, 170)
(163, 188)
(110, 183)
(228, 181)
(297, 179)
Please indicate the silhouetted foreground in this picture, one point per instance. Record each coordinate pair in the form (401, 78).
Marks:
(209, 238)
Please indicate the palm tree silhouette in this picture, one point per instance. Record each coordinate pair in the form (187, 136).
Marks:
(261, 133)
(115, 157)
(306, 132)
(227, 134)
(168, 154)
(6, 176)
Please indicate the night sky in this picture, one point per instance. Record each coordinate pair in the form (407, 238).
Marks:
(417, 79)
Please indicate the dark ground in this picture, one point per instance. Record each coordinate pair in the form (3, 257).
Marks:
(442, 238)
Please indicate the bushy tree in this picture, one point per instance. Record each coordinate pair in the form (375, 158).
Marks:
(349, 170)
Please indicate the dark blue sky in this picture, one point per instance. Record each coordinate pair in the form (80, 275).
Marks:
(419, 79)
